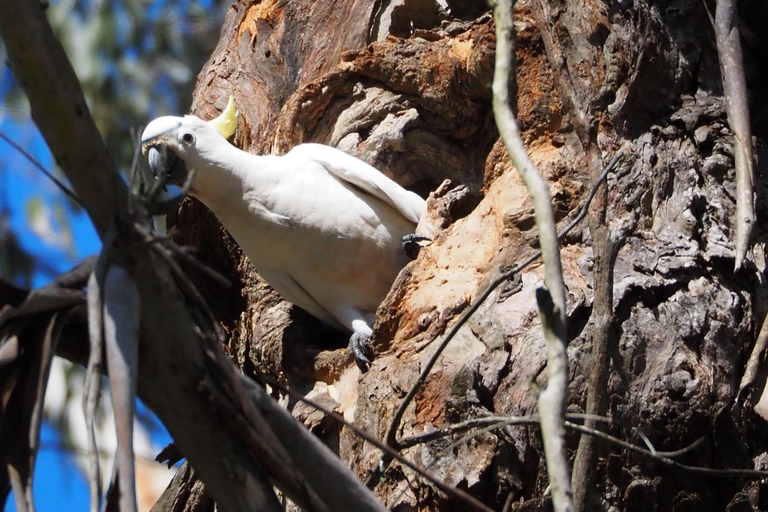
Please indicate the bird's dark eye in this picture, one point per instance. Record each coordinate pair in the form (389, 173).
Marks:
(188, 138)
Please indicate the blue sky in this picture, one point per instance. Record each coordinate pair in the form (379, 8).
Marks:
(21, 183)
(57, 485)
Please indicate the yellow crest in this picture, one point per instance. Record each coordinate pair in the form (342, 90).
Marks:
(226, 123)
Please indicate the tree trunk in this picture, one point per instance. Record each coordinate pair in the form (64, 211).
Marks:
(405, 86)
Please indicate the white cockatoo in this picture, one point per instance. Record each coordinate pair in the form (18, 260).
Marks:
(323, 228)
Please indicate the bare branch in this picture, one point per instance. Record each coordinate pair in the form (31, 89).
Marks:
(48, 174)
(93, 385)
(737, 108)
(664, 457)
(553, 400)
(495, 422)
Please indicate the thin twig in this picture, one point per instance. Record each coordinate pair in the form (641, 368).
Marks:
(485, 425)
(652, 449)
(495, 422)
(661, 457)
(41, 168)
(551, 300)
(458, 428)
(439, 455)
(449, 491)
(682, 451)
(92, 392)
(68, 448)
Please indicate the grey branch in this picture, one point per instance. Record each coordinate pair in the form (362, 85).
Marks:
(552, 400)
(737, 108)
(93, 383)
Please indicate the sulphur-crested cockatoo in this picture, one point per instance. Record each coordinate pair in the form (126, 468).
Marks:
(323, 228)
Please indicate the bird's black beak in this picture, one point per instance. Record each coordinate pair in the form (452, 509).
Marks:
(166, 166)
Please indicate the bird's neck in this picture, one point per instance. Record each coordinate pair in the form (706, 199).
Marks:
(221, 176)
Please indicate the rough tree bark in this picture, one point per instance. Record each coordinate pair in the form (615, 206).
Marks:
(405, 85)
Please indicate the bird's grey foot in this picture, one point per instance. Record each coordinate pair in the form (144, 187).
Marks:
(411, 245)
(358, 345)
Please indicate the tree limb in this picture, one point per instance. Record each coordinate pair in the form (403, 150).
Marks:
(603, 251)
(737, 108)
(553, 400)
(121, 309)
(58, 108)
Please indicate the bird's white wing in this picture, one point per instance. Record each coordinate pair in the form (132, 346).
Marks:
(363, 176)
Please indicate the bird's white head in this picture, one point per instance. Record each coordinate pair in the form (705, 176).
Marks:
(175, 144)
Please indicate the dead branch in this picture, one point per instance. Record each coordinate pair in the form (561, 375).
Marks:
(92, 390)
(48, 174)
(553, 400)
(737, 108)
(603, 248)
(665, 459)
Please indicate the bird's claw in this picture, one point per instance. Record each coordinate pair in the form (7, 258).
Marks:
(410, 244)
(361, 350)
